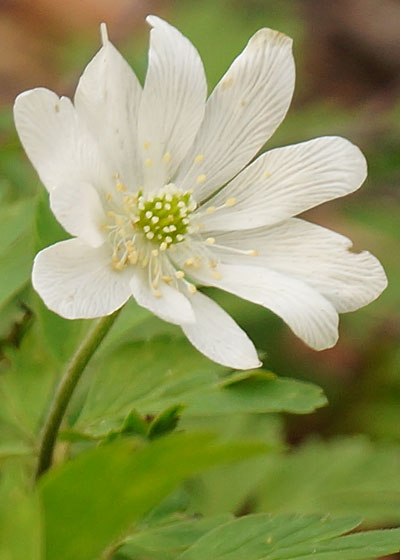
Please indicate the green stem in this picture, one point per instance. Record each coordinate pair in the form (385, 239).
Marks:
(66, 388)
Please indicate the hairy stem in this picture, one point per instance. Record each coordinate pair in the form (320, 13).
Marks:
(66, 388)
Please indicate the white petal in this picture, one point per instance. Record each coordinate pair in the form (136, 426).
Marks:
(310, 316)
(315, 255)
(216, 335)
(173, 102)
(243, 111)
(108, 100)
(58, 145)
(78, 282)
(172, 306)
(286, 181)
(78, 209)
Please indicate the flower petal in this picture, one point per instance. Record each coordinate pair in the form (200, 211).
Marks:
(108, 100)
(286, 181)
(57, 144)
(216, 335)
(310, 316)
(173, 102)
(78, 282)
(78, 209)
(316, 255)
(243, 111)
(171, 306)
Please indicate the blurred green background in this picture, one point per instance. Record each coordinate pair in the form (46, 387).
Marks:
(348, 60)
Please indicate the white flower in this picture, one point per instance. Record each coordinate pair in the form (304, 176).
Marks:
(135, 175)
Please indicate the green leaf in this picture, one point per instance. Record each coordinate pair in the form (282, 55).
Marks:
(20, 521)
(289, 537)
(48, 229)
(165, 422)
(151, 376)
(349, 476)
(16, 249)
(92, 500)
(15, 266)
(15, 219)
(62, 335)
(27, 384)
(166, 541)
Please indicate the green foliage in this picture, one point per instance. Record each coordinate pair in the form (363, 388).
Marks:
(124, 483)
(16, 251)
(91, 501)
(349, 476)
(167, 540)
(20, 520)
(285, 537)
(150, 376)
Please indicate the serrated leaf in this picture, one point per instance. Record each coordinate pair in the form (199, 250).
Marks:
(165, 422)
(92, 500)
(151, 376)
(348, 476)
(292, 537)
(166, 541)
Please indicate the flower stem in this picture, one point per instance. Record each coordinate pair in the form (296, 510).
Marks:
(66, 388)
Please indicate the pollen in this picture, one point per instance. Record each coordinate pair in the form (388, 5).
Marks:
(148, 162)
(192, 289)
(146, 145)
(165, 215)
(198, 158)
(166, 157)
(230, 201)
(201, 179)
(143, 226)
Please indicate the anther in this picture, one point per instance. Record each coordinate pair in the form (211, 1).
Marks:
(230, 201)
(210, 241)
(150, 235)
(201, 179)
(210, 210)
(179, 274)
(192, 288)
(121, 187)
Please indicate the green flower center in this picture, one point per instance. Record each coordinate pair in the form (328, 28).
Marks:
(164, 217)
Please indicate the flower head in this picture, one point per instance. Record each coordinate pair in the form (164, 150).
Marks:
(135, 174)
